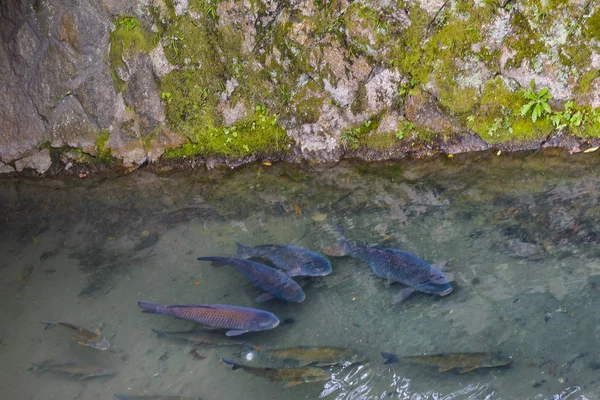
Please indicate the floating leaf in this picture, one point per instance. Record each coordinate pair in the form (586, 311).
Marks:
(319, 217)
(591, 149)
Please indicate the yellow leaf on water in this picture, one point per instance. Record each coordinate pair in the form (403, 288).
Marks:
(267, 163)
(297, 209)
(319, 217)
(450, 155)
(499, 152)
(591, 149)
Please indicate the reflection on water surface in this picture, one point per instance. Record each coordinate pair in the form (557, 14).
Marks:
(520, 235)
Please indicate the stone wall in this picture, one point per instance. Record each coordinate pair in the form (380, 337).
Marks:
(131, 82)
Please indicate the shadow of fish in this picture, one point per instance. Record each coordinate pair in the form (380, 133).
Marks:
(200, 338)
(82, 335)
(237, 319)
(128, 397)
(295, 261)
(84, 371)
(465, 362)
(397, 265)
(322, 356)
(275, 283)
(291, 376)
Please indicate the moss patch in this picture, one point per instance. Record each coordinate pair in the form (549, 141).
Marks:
(127, 37)
(498, 117)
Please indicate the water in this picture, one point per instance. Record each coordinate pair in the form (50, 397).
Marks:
(520, 234)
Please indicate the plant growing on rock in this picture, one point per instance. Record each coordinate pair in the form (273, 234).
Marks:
(567, 117)
(538, 102)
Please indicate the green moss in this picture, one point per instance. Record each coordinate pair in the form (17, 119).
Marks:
(208, 8)
(592, 25)
(360, 100)
(308, 103)
(360, 135)
(586, 80)
(192, 111)
(127, 37)
(458, 100)
(579, 53)
(498, 118)
(259, 134)
(525, 42)
(101, 141)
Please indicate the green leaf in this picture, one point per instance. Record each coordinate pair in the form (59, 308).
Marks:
(547, 108)
(526, 107)
(535, 113)
(532, 85)
(543, 92)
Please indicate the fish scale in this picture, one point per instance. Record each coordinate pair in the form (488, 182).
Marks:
(238, 319)
(320, 355)
(397, 265)
(291, 375)
(295, 261)
(275, 283)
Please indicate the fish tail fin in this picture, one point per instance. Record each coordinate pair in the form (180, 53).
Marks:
(342, 247)
(389, 358)
(231, 362)
(215, 261)
(49, 324)
(159, 333)
(151, 308)
(243, 251)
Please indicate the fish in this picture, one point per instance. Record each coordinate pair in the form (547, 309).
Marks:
(295, 261)
(238, 320)
(276, 284)
(82, 335)
(322, 356)
(397, 266)
(84, 371)
(465, 362)
(291, 376)
(199, 338)
(128, 397)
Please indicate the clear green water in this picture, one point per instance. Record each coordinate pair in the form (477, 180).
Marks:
(520, 233)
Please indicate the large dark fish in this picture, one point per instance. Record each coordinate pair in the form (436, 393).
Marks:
(82, 370)
(82, 335)
(295, 261)
(397, 265)
(275, 283)
(292, 376)
(200, 338)
(128, 397)
(446, 361)
(238, 319)
(322, 356)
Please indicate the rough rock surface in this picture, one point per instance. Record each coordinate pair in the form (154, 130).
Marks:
(423, 111)
(227, 81)
(39, 161)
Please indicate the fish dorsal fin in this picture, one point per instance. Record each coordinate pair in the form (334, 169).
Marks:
(445, 368)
